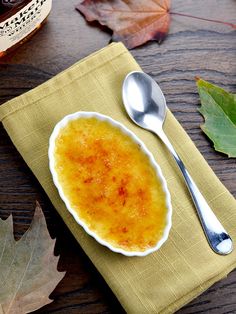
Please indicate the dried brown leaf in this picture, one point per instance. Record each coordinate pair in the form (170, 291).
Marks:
(133, 22)
(28, 267)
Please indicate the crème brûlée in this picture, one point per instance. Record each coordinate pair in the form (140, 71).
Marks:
(111, 184)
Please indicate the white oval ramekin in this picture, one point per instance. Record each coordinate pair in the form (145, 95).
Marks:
(122, 128)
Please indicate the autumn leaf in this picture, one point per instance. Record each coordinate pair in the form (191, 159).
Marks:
(132, 22)
(28, 267)
(219, 110)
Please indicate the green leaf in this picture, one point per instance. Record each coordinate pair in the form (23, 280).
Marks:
(219, 110)
(28, 267)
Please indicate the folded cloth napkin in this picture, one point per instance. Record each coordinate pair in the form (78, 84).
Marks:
(185, 266)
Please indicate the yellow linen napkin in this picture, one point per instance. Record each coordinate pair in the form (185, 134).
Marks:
(185, 265)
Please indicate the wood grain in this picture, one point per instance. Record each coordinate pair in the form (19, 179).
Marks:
(191, 49)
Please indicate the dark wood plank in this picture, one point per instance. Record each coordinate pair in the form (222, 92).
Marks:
(207, 51)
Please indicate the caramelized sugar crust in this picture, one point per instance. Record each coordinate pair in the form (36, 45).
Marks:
(111, 184)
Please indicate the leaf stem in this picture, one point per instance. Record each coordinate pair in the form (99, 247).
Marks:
(204, 19)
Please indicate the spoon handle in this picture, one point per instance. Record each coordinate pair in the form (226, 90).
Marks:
(219, 240)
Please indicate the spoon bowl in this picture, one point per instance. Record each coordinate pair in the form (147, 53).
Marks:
(144, 100)
(146, 106)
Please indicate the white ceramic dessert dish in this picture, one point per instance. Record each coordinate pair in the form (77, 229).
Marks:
(159, 176)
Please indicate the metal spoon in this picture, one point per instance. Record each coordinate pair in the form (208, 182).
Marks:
(146, 106)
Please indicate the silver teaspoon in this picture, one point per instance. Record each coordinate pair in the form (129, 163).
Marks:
(146, 106)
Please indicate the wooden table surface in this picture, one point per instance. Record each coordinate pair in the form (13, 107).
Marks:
(192, 49)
